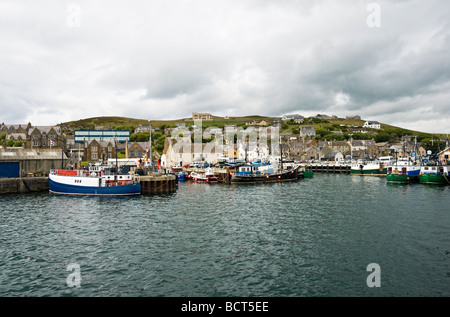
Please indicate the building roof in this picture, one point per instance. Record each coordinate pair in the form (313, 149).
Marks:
(30, 154)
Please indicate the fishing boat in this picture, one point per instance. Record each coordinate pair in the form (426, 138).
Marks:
(264, 174)
(208, 176)
(434, 174)
(403, 171)
(371, 168)
(179, 172)
(234, 163)
(97, 181)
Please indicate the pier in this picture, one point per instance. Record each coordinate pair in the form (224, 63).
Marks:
(158, 184)
(22, 185)
(328, 168)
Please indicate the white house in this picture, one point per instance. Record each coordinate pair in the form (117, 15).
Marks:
(252, 153)
(181, 151)
(372, 124)
(296, 117)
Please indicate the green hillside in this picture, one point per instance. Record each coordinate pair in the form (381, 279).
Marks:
(116, 123)
(326, 129)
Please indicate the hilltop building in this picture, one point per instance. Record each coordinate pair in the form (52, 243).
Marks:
(372, 125)
(201, 116)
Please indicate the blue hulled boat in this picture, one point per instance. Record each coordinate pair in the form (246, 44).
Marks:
(97, 181)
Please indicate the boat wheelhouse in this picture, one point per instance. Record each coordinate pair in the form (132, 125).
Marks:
(434, 175)
(404, 171)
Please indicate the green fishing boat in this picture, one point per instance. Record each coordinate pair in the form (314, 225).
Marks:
(434, 175)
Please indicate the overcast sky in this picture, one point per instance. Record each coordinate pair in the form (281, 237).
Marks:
(69, 60)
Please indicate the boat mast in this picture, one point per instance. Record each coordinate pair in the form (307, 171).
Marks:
(115, 147)
(62, 147)
(150, 146)
(281, 155)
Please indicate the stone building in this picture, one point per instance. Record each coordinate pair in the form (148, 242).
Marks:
(20, 162)
(99, 151)
(201, 116)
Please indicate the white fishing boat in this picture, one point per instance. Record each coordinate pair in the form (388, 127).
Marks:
(96, 181)
(208, 176)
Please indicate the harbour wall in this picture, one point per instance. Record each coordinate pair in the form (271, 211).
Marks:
(23, 185)
(328, 168)
(162, 184)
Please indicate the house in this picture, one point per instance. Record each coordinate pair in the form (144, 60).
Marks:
(201, 116)
(307, 131)
(95, 151)
(143, 128)
(333, 156)
(252, 153)
(310, 154)
(295, 117)
(323, 116)
(182, 151)
(372, 125)
(277, 122)
(356, 117)
(137, 149)
(383, 148)
(341, 146)
(44, 137)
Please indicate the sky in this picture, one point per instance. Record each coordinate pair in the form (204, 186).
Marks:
(158, 60)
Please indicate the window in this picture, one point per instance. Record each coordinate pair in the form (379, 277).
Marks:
(94, 156)
(109, 148)
(132, 153)
(109, 155)
(51, 136)
(35, 143)
(140, 154)
(94, 149)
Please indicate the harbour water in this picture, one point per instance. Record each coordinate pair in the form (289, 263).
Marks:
(311, 238)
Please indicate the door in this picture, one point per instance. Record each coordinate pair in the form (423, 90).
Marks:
(9, 169)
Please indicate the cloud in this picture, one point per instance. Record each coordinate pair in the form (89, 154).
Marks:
(167, 59)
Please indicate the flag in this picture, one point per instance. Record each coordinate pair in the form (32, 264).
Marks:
(52, 143)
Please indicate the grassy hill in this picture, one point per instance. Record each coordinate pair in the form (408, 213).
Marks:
(116, 123)
(324, 128)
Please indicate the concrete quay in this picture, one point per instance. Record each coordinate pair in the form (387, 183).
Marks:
(23, 185)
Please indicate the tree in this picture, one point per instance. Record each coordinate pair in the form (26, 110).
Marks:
(140, 137)
(382, 137)
(433, 145)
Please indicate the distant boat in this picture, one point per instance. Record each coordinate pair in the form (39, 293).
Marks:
(252, 174)
(97, 181)
(234, 163)
(403, 171)
(209, 176)
(179, 172)
(434, 175)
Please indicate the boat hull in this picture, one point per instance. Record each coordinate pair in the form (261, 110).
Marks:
(373, 172)
(402, 178)
(433, 179)
(61, 188)
(273, 178)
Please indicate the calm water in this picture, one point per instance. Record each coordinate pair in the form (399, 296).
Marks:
(314, 237)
